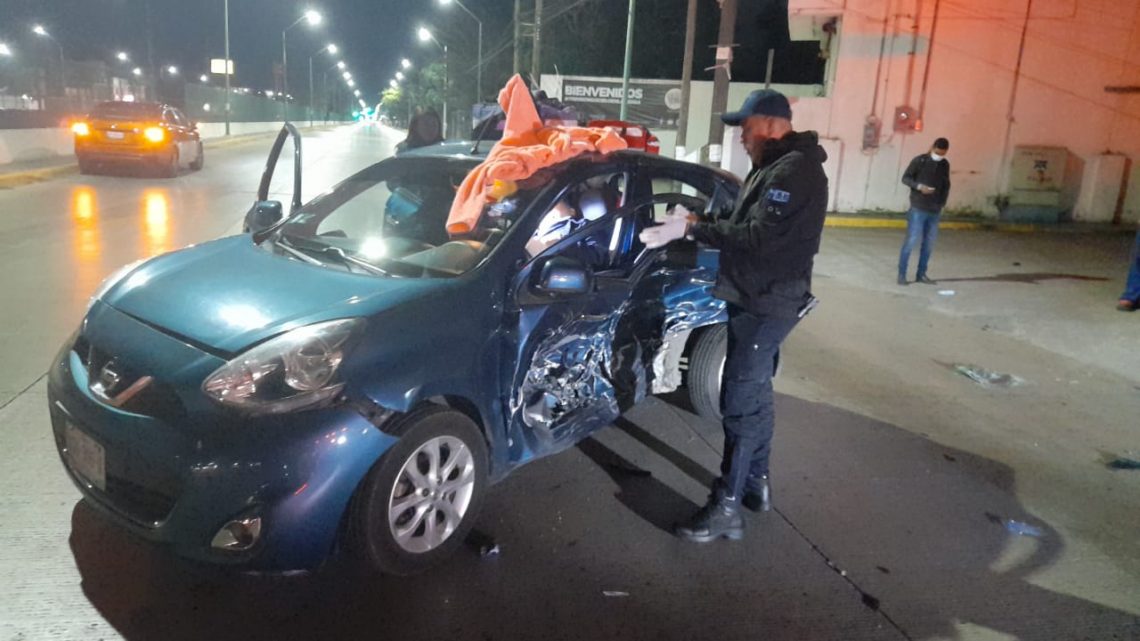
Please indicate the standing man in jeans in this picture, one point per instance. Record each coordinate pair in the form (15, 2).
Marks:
(928, 177)
(1130, 299)
(767, 246)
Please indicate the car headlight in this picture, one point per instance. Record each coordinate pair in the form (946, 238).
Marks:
(292, 371)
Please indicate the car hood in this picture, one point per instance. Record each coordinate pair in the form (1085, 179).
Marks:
(229, 294)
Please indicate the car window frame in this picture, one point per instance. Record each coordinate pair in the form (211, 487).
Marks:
(608, 169)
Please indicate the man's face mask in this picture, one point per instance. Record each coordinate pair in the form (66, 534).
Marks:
(937, 156)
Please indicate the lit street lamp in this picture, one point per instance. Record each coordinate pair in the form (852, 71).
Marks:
(346, 75)
(479, 62)
(4, 50)
(204, 78)
(122, 56)
(406, 64)
(137, 71)
(356, 93)
(40, 31)
(314, 19)
(172, 70)
(340, 64)
(393, 84)
(399, 75)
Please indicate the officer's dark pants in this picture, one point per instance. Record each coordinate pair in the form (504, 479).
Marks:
(746, 397)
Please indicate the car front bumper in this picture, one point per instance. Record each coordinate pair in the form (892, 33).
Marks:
(177, 480)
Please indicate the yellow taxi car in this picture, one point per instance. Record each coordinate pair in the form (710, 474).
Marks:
(151, 133)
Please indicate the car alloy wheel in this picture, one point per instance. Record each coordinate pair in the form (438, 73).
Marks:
(421, 498)
(431, 495)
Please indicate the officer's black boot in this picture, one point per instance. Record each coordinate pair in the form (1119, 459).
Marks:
(758, 496)
(719, 517)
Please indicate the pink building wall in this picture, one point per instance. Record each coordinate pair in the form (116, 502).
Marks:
(1072, 51)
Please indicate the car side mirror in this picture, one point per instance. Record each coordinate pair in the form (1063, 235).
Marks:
(263, 215)
(562, 276)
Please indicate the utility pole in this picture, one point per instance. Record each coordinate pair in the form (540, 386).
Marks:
(687, 77)
(725, 40)
(518, 38)
(227, 69)
(628, 60)
(535, 60)
(152, 75)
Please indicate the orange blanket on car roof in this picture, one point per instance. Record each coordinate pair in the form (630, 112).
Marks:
(526, 147)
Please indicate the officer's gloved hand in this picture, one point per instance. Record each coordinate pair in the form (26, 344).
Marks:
(672, 229)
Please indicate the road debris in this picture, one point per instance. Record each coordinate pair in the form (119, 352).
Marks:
(987, 378)
(1122, 463)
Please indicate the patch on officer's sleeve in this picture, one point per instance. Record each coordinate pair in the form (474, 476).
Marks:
(778, 196)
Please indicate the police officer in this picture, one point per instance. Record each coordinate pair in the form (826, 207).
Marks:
(767, 245)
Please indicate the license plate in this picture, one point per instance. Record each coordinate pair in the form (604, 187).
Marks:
(115, 135)
(86, 457)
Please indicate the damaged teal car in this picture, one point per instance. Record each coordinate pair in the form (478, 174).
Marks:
(350, 377)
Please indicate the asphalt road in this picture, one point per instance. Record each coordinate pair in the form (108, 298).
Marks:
(900, 485)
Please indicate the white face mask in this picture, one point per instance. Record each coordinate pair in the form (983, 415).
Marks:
(936, 156)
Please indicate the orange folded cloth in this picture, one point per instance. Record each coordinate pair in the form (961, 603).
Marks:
(526, 147)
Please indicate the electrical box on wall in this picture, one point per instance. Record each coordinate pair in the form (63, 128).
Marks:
(1043, 184)
(907, 120)
(872, 129)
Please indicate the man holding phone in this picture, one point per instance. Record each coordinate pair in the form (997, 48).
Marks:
(928, 177)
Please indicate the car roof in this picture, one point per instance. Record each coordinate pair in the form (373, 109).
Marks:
(462, 148)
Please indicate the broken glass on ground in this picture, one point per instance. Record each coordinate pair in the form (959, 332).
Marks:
(988, 378)
(1122, 463)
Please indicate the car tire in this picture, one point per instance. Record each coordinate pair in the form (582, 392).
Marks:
(200, 161)
(706, 368)
(169, 168)
(86, 167)
(376, 515)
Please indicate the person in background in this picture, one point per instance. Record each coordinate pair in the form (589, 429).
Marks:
(425, 129)
(928, 177)
(1130, 299)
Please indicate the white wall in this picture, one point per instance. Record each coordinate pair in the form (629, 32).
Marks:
(1073, 50)
(34, 144)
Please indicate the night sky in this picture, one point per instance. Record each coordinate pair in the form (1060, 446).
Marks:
(374, 34)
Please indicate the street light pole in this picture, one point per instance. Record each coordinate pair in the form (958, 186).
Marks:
(628, 60)
(227, 67)
(425, 34)
(479, 68)
(314, 18)
(40, 31)
(332, 50)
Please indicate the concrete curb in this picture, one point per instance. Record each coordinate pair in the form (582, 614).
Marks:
(42, 174)
(21, 178)
(872, 222)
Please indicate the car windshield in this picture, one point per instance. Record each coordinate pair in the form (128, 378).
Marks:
(126, 111)
(391, 219)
